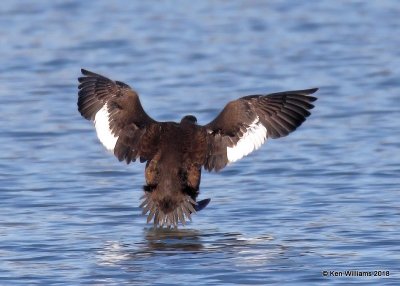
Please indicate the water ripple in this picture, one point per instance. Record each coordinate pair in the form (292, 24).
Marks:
(324, 198)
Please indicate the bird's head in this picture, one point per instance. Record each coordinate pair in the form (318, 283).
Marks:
(189, 118)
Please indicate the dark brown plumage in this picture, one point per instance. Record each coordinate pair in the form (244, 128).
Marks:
(175, 152)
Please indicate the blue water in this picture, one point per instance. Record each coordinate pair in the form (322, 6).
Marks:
(325, 198)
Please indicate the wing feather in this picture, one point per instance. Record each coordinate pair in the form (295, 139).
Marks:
(121, 123)
(244, 124)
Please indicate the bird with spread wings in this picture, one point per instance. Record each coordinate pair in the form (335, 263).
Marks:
(175, 152)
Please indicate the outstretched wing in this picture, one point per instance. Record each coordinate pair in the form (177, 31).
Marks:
(244, 124)
(122, 125)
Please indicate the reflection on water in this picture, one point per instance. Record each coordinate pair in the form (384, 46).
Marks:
(173, 240)
(242, 250)
(156, 242)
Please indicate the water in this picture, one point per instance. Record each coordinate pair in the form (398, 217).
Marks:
(324, 198)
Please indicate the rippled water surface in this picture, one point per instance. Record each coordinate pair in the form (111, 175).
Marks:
(325, 198)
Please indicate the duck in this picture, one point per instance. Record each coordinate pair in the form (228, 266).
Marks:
(176, 152)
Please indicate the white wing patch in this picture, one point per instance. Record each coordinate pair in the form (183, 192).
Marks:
(102, 124)
(251, 140)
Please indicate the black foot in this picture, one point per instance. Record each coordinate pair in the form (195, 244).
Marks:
(201, 204)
